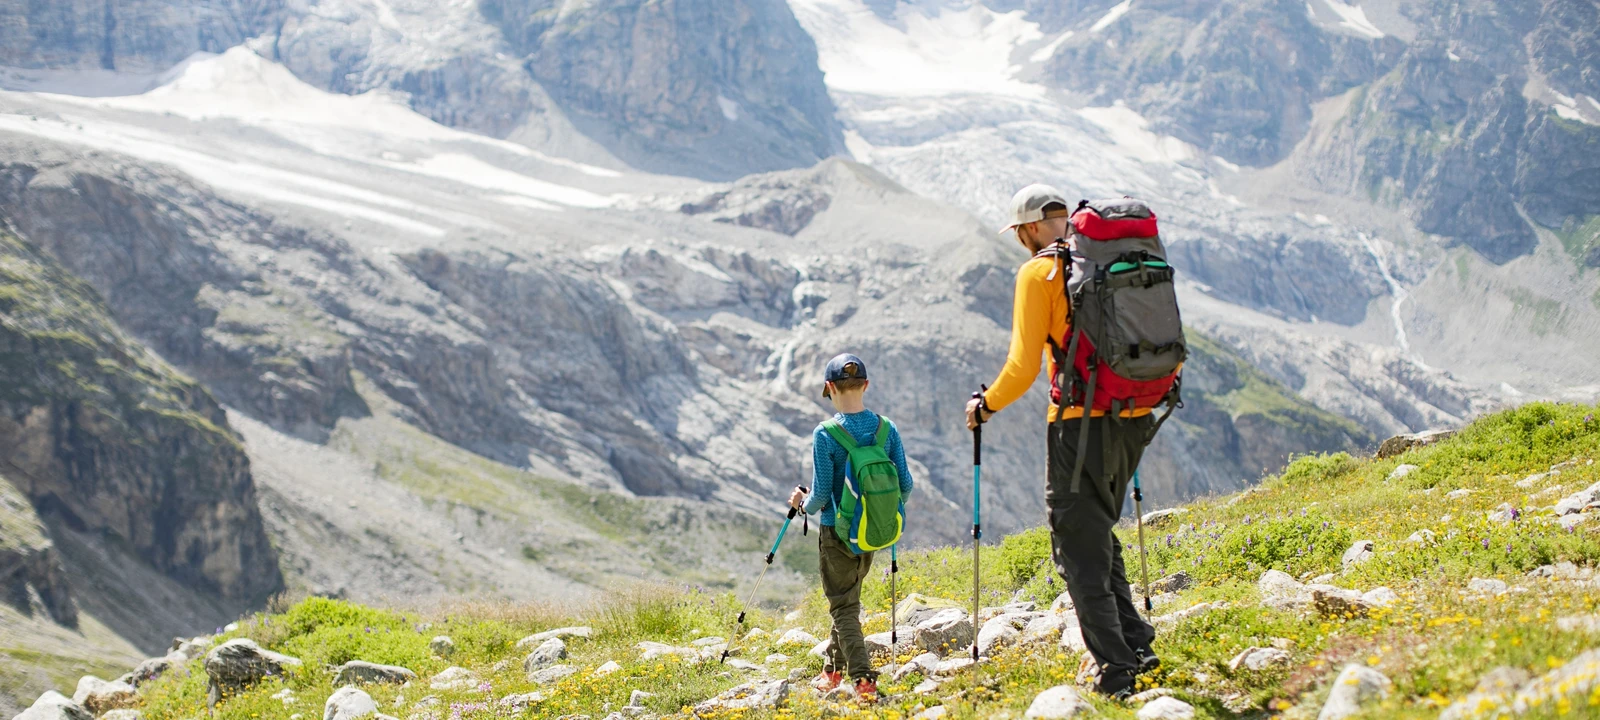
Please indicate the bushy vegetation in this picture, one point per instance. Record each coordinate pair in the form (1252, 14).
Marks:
(1434, 644)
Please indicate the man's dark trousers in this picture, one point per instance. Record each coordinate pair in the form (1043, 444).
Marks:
(1086, 552)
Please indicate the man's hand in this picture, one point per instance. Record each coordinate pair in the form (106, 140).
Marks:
(976, 414)
(797, 499)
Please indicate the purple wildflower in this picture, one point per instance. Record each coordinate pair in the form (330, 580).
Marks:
(1486, 543)
(485, 687)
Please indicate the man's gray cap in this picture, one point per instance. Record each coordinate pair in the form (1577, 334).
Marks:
(1029, 203)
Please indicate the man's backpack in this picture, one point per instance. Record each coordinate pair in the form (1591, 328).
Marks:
(1125, 346)
(869, 515)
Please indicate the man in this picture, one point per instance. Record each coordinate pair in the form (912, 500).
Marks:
(1086, 552)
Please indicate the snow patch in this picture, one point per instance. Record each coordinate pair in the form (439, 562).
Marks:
(1115, 13)
(1348, 18)
(1452, 55)
(949, 50)
(730, 109)
(1049, 51)
(1398, 295)
(469, 170)
(1129, 130)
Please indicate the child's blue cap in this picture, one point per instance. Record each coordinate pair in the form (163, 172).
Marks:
(844, 367)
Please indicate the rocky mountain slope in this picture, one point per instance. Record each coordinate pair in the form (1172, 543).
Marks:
(1455, 579)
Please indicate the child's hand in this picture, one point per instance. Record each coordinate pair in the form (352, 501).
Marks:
(797, 499)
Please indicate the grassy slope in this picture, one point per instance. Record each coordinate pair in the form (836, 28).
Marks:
(1434, 644)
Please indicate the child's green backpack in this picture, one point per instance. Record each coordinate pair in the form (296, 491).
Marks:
(870, 516)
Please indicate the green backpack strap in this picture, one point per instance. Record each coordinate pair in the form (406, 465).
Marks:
(840, 435)
(884, 426)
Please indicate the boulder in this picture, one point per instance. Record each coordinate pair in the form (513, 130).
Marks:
(1503, 514)
(937, 711)
(123, 714)
(348, 703)
(537, 639)
(1579, 501)
(1399, 444)
(1061, 701)
(357, 672)
(548, 653)
(520, 702)
(650, 650)
(953, 666)
(1281, 592)
(1380, 597)
(1181, 615)
(917, 607)
(1423, 537)
(1487, 586)
(705, 642)
(100, 696)
(1359, 552)
(1072, 640)
(950, 628)
(744, 665)
(821, 648)
(1001, 631)
(1587, 624)
(1333, 602)
(1258, 659)
(902, 640)
(1356, 687)
(609, 667)
(54, 706)
(552, 675)
(1157, 518)
(775, 659)
(924, 664)
(1493, 692)
(1528, 482)
(928, 685)
(1062, 604)
(1046, 628)
(1166, 708)
(797, 637)
(153, 668)
(759, 695)
(191, 649)
(1401, 471)
(1458, 494)
(1175, 582)
(442, 646)
(237, 664)
(453, 678)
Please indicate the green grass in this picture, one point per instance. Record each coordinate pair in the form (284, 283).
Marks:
(1580, 236)
(1543, 315)
(1434, 644)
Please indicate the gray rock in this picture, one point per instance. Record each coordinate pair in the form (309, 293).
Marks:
(705, 642)
(54, 706)
(924, 664)
(1503, 514)
(154, 668)
(443, 646)
(1360, 551)
(902, 640)
(360, 672)
(1380, 597)
(123, 714)
(537, 639)
(796, 637)
(453, 678)
(1061, 701)
(759, 695)
(548, 653)
(953, 666)
(99, 696)
(1401, 471)
(775, 659)
(1587, 624)
(821, 648)
(1458, 494)
(1578, 501)
(927, 685)
(1487, 586)
(552, 674)
(348, 703)
(1045, 628)
(1332, 602)
(1062, 604)
(1423, 537)
(1179, 616)
(1280, 591)
(1166, 708)
(1401, 443)
(1357, 686)
(1176, 582)
(1001, 631)
(1159, 518)
(237, 664)
(937, 711)
(949, 629)
(745, 665)
(1258, 659)
(520, 701)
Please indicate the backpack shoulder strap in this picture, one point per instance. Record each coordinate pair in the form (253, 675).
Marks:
(882, 438)
(840, 435)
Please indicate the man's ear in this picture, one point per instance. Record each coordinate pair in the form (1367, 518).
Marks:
(827, 390)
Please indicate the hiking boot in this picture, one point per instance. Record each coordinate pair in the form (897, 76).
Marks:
(1117, 686)
(1147, 660)
(867, 691)
(828, 680)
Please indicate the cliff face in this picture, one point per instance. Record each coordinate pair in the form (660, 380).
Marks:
(140, 36)
(98, 432)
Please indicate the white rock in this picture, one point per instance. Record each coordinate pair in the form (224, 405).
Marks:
(453, 678)
(1401, 471)
(1151, 694)
(1423, 537)
(548, 653)
(1062, 604)
(1360, 551)
(1357, 686)
(926, 686)
(1258, 659)
(760, 695)
(1503, 514)
(100, 696)
(793, 616)
(1166, 708)
(1588, 624)
(1072, 640)
(924, 663)
(1281, 591)
(745, 665)
(537, 639)
(1158, 518)
(902, 640)
(953, 666)
(1181, 615)
(1487, 586)
(1381, 597)
(1061, 701)
(937, 711)
(776, 659)
(123, 714)
(1045, 628)
(609, 667)
(821, 649)
(946, 630)
(443, 646)
(348, 703)
(755, 634)
(708, 642)
(1458, 494)
(54, 706)
(998, 633)
(797, 637)
(521, 700)
(552, 674)
(1532, 480)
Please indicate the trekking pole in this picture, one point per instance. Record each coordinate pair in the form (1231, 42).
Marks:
(977, 527)
(738, 625)
(1144, 565)
(894, 625)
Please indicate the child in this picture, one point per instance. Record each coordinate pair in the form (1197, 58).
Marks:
(845, 383)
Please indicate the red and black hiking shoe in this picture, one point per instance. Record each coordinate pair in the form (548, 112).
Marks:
(867, 691)
(828, 680)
